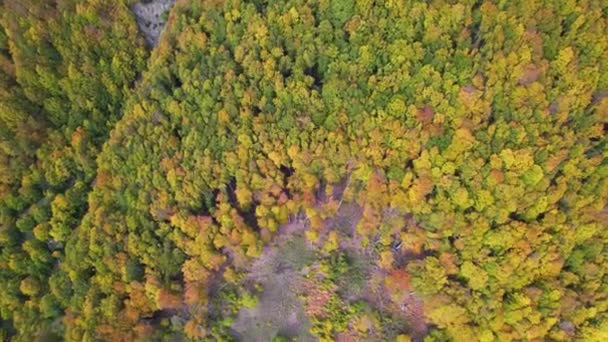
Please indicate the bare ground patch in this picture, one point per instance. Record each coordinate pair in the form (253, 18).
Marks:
(150, 16)
(278, 272)
(291, 278)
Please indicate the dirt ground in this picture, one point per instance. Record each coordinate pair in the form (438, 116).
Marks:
(287, 265)
(278, 270)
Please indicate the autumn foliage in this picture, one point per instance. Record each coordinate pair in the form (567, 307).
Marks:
(138, 188)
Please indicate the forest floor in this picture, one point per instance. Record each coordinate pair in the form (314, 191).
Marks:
(278, 271)
(150, 16)
(288, 272)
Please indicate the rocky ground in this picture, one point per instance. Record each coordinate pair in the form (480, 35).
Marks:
(150, 16)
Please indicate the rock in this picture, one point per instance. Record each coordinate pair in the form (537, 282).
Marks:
(149, 16)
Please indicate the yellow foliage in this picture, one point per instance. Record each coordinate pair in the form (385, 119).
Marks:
(386, 260)
(331, 244)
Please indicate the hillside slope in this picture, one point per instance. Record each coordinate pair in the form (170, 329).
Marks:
(409, 170)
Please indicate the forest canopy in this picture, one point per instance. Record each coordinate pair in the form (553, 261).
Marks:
(346, 170)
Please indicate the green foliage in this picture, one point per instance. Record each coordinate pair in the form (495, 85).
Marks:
(65, 72)
(471, 136)
(339, 316)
